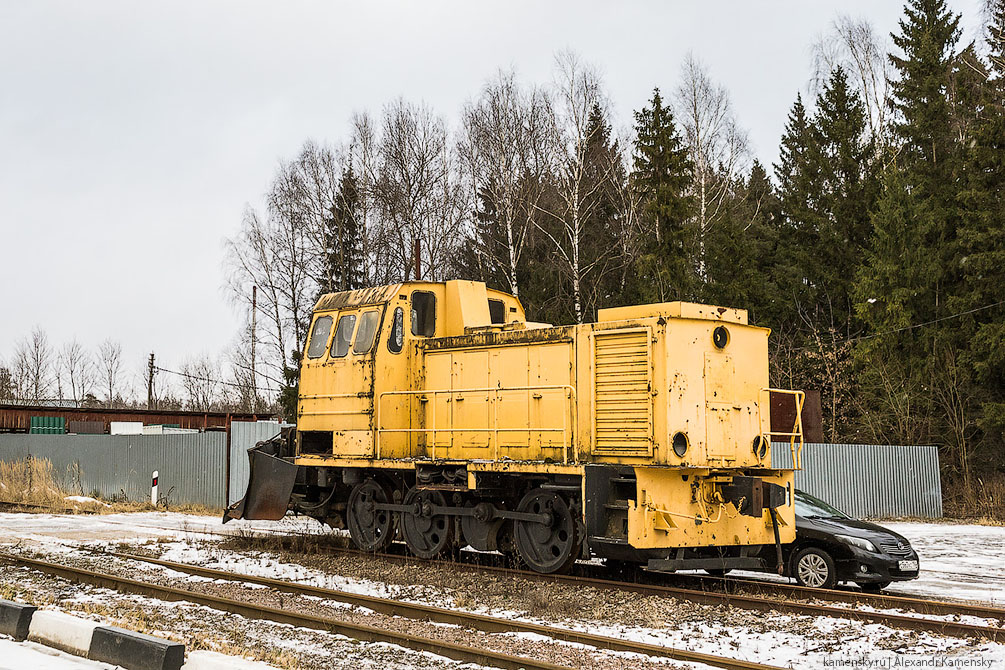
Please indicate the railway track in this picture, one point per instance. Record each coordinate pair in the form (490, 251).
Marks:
(370, 633)
(731, 596)
(952, 628)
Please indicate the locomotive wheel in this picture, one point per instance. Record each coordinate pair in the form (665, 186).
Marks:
(547, 547)
(427, 535)
(371, 529)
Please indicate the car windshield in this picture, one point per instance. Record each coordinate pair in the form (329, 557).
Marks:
(809, 507)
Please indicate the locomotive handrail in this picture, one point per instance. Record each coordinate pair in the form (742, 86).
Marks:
(796, 449)
(567, 430)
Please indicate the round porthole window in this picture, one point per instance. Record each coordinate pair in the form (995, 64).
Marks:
(720, 337)
(680, 444)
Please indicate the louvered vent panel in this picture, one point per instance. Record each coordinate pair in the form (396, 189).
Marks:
(623, 404)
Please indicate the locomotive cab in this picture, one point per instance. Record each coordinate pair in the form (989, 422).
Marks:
(435, 413)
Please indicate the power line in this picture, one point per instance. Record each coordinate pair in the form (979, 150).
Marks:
(213, 381)
(913, 326)
(928, 323)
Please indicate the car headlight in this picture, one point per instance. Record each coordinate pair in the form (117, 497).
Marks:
(857, 542)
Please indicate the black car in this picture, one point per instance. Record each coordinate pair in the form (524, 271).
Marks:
(833, 547)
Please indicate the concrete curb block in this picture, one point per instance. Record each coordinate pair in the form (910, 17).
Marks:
(125, 648)
(211, 660)
(62, 631)
(15, 619)
(135, 651)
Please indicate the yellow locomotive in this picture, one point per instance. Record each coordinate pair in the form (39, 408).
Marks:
(435, 413)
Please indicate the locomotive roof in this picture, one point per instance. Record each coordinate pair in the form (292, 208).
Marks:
(357, 298)
(375, 295)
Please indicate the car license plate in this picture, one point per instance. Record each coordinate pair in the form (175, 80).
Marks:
(907, 566)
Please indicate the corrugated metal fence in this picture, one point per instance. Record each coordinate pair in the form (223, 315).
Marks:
(192, 467)
(243, 436)
(870, 480)
(862, 480)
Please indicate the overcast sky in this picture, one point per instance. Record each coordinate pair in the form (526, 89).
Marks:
(133, 134)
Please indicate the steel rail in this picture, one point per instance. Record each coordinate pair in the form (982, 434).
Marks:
(759, 603)
(919, 605)
(886, 600)
(469, 620)
(953, 628)
(252, 611)
(387, 606)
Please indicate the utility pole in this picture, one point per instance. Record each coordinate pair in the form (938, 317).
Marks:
(150, 383)
(254, 379)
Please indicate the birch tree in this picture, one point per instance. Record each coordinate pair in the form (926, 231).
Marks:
(76, 367)
(417, 191)
(504, 147)
(854, 45)
(110, 367)
(34, 372)
(577, 96)
(716, 143)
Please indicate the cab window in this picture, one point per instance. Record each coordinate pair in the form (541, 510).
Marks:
(319, 337)
(497, 311)
(343, 335)
(364, 334)
(423, 313)
(396, 339)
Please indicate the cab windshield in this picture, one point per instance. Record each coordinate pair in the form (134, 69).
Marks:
(809, 507)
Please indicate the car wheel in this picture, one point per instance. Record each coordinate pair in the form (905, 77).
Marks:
(873, 587)
(814, 568)
(719, 572)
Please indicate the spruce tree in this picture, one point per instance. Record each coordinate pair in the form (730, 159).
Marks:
(928, 36)
(741, 248)
(796, 194)
(604, 173)
(662, 175)
(343, 238)
(925, 175)
(846, 184)
(982, 240)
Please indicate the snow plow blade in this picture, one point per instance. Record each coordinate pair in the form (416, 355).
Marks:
(269, 487)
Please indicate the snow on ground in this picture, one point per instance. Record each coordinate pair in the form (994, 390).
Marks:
(71, 530)
(22, 655)
(958, 561)
(85, 499)
(961, 561)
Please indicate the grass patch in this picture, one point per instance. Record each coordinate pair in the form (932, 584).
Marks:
(982, 503)
(36, 484)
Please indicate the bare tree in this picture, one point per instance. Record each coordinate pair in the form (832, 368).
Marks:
(201, 382)
(302, 194)
(577, 92)
(76, 367)
(273, 254)
(718, 146)
(110, 368)
(418, 194)
(34, 368)
(505, 152)
(855, 45)
(7, 393)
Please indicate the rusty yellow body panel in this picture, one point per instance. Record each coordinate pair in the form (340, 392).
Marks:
(680, 508)
(452, 373)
